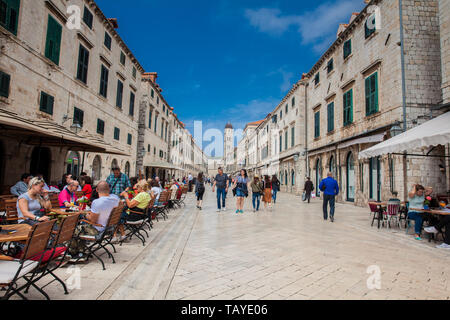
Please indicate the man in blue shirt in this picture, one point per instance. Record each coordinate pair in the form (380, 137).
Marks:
(118, 182)
(330, 189)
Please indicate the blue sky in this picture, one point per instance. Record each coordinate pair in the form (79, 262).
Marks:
(228, 60)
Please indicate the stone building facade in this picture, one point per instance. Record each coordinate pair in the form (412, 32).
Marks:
(71, 98)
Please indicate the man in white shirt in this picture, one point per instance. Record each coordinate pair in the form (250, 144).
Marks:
(100, 212)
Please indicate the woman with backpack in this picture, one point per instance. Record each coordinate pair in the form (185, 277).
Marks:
(257, 190)
(200, 190)
(241, 186)
(275, 188)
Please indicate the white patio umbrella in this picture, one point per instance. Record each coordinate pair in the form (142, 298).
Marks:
(431, 133)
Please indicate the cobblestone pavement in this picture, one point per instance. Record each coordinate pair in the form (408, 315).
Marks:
(287, 253)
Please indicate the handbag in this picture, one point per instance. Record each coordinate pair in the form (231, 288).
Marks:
(304, 196)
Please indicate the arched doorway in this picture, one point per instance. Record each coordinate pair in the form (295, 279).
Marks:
(332, 166)
(286, 178)
(350, 178)
(293, 177)
(114, 164)
(40, 162)
(73, 163)
(127, 169)
(318, 175)
(97, 168)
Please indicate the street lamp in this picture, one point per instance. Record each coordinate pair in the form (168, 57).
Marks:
(396, 129)
(76, 127)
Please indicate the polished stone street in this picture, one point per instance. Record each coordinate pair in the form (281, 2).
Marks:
(287, 253)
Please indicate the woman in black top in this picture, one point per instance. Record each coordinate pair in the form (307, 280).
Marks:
(275, 188)
(200, 189)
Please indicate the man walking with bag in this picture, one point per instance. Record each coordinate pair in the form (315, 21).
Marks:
(221, 182)
(330, 189)
(309, 187)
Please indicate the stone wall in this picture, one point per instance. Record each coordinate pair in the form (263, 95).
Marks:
(444, 20)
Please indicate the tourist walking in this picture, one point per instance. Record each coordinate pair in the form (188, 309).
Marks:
(200, 190)
(257, 187)
(118, 182)
(241, 185)
(308, 189)
(267, 198)
(221, 182)
(275, 188)
(330, 189)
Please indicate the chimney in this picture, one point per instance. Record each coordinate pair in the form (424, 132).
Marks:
(113, 21)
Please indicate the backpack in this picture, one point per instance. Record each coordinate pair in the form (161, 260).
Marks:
(201, 188)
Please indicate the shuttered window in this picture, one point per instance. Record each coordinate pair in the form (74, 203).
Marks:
(53, 42)
(107, 41)
(369, 26)
(104, 74)
(317, 124)
(372, 94)
(9, 15)
(330, 116)
(281, 143)
(150, 119)
(119, 97)
(156, 123)
(5, 80)
(330, 66)
(347, 48)
(122, 58)
(116, 134)
(292, 136)
(132, 98)
(83, 64)
(348, 107)
(100, 126)
(130, 139)
(46, 103)
(286, 140)
(78, 116)
(88, 18)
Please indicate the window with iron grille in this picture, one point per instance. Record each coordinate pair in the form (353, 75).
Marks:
(46, 103)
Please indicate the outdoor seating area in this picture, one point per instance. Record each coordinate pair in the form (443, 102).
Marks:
(30, 253)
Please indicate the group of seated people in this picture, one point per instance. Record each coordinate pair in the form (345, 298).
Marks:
(417, 198)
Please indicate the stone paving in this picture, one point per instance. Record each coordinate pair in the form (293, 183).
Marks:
(287, 253)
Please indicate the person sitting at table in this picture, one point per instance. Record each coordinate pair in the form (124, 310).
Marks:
(67, 197)
(86, 186)
(138, 204)
(416, 199)
(21, 186)
(100, 211)
(444, 222)
(155, 192)
(31, 205)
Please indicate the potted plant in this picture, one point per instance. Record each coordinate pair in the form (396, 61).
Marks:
(426, 203)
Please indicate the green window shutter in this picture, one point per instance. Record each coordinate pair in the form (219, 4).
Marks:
(83, 64)
(330, 66)
(347, 48)
(281, 143)
(107, 41)
(130, 139)
(9, 15)
(317, 124)
(286, 140)
(348, 107)
(119, 97)
(53, 43)
(293, 136)
(104, 81)
(4, 84)
(46, 103)
(88, 18)
(122, 58)
(132, 98)
(371, 86)
(78, 116)
(156, 123)
(116, 134)
(330, 117)
(150, 119)
(100, 126)
(153, 93)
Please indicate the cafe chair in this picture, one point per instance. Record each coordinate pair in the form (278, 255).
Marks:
(12, 270)
(392, 213)
(104, 239)
(11, 215)
(377, 213)
(54, 257)
(54, 200)
(161, 208)
(135, 228)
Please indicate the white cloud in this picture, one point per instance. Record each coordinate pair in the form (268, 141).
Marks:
(317, 27)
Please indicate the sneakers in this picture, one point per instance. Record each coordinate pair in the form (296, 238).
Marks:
(224, 209)
(242, 211)
(237, 211)
(431, 230)
(443, 246)
(332, 219)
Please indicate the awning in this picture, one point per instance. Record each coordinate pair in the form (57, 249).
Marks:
(162, 165)
(431, 133)
(49, 134)
(369, 139)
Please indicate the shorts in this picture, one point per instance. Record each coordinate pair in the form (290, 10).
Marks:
(240, 193)
(200, 195)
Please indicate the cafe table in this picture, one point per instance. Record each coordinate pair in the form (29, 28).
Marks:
(381, 208)
(21, 234)
(63, 212)
(432, 211)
